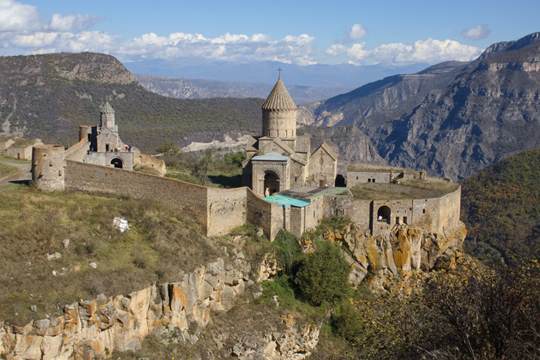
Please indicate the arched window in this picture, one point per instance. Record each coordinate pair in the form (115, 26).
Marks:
(383, 214)
(271, 182)
(117, 163)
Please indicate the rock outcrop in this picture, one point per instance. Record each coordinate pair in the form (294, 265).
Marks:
(95, 328)
(396, 252)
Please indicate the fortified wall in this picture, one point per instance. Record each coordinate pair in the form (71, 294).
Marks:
(378, 200)
(217, 210)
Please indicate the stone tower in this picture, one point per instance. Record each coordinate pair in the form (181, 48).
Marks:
(279, 114)
(48, 167)
(107, 117)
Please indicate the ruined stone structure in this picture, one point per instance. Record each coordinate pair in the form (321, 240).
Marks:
(280, 160)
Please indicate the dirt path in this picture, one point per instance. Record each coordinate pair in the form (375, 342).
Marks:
(22, 174)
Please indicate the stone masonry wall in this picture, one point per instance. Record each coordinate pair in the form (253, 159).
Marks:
(227, 209)
(266, 215)
(173, 193)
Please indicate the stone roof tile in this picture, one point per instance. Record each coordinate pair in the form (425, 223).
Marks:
(279, 98)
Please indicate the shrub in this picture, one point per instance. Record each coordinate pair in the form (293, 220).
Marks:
(288, 251)
(322, 276)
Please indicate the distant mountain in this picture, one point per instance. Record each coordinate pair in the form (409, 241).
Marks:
(48, 96)
(501, 207)
(452, 118)
(344, 76)
(204, 89)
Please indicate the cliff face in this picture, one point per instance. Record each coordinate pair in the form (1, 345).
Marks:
(452, 119)
(37, 69)
(96, 328)
(378, 259)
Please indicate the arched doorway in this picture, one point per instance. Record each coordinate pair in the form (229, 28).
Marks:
(271, 183)
(340, 181)
(383, 214)
(117, 163)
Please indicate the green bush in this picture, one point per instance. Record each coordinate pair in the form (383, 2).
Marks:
(288, 251)
(322, 277)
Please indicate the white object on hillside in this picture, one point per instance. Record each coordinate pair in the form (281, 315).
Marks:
(121, 224)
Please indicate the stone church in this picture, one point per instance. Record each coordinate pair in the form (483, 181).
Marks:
(104, 144)
(280, 160)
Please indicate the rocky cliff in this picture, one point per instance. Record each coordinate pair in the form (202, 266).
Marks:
(95, 328)
(453, 118)
(382, 258)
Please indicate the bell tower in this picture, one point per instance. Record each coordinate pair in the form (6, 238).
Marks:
(279, 114)
(107, 119)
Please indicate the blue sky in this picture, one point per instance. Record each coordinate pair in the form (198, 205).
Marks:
(303, 32)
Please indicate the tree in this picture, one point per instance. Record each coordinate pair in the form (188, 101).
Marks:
(322, 276)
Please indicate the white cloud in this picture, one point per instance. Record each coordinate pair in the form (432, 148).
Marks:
(421, 51)
(71, 22)
(357, 32)
(233, 47)
(15, 16)
(357, 52)
(336, 49)
(476, 32)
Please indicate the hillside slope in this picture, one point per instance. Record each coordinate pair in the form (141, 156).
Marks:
(48, 96)
(501, 207)
(453, 118)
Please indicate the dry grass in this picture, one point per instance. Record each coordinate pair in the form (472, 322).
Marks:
(408, 190)
(157, 247)
(7, 170)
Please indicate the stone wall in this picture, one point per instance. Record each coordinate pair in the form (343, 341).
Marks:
(227, 209)
(106, 158)
(150, 162)
(322, 169)
(176, 194)
(78, 151)
(384, 176)
(362, 177)
(95, 328)
(266, 215)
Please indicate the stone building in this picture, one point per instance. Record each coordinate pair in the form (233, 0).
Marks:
(279, 159)
(104, 144)
(20, 148)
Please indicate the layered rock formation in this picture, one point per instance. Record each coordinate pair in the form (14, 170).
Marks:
(453, 118)
(396, 252)
(95, 328)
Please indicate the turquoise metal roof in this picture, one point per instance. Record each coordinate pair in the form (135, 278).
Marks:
(271, 157)
(286, 201)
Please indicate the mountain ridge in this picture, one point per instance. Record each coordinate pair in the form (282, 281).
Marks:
(452, 122)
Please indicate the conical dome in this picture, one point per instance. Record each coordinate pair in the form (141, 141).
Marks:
(279, 98)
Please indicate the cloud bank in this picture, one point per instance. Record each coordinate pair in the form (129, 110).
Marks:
(23, 31)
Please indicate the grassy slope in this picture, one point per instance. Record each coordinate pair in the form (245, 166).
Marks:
(501, 207)
(7, 170)
(33, 224)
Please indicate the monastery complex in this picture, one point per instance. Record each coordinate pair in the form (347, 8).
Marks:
(288, 185)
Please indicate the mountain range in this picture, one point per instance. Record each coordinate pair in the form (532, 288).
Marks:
(452, 118)
(203, 89)
(341, 76)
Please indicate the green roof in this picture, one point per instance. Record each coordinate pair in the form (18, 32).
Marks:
(286, 201)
